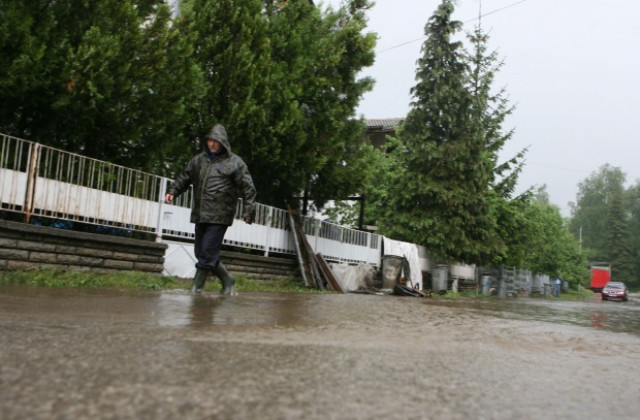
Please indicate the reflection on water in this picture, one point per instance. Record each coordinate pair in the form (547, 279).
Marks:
(210, 310)
(593, 312)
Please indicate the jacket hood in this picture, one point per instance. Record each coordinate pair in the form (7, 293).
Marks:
(218, 132)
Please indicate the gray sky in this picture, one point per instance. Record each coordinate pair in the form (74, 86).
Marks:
(571, 68)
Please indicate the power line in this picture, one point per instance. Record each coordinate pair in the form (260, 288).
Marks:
(496, 10)
(558, 167)
(468, 21)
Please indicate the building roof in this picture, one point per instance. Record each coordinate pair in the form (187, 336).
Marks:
(384, 124)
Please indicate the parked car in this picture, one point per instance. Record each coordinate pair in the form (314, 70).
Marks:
(615, 290)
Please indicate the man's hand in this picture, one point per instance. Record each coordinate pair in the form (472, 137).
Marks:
(168, 198)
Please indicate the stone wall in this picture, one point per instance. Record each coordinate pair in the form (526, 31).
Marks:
(28, 247)
(260, 268)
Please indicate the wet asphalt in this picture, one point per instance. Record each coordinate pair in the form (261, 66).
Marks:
(76, 353)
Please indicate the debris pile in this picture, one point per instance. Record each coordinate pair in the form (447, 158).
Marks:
(317, 273)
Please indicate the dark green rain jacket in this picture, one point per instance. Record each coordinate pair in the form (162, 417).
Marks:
(217, 184)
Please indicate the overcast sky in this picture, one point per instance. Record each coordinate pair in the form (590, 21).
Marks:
(571, 68)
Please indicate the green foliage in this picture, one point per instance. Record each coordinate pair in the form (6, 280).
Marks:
(607, 218)
(632, 196)
(618, 242)
(590, 213)
(282, 77)
(108, 79)
(124, 81)
(489, 111)
(439, 194)
(552, 249)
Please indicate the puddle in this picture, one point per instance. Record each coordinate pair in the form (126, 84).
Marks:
(79, 353)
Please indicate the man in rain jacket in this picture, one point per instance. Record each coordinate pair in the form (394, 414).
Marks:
(219, 177)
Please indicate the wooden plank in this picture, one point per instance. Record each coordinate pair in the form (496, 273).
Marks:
(310, 256)
(302, 261)
(306, 258)
(332, 282)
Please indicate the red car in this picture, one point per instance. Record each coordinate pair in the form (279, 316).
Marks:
(615, 290)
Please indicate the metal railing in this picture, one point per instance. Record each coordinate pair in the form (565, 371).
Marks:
(41, 181)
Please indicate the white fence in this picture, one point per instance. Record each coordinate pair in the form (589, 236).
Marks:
(40, 181)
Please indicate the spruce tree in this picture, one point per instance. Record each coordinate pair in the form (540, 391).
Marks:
(282, 77)
(489, 112)
(590, 212)
(315, 140)
(633, 198)
(439, 196)
(107, 79)
(618, 242)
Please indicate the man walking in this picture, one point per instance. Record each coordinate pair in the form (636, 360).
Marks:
(219, 177)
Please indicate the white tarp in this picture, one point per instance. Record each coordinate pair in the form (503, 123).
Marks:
(410, 252)
(353, 277)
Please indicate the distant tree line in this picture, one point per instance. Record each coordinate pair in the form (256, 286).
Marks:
(606, 219)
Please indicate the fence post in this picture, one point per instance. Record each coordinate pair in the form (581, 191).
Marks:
(267, 226)
(161, 194)
(317, 224)
(32, 174)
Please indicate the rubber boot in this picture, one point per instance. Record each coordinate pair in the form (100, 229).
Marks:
(198, 280)
(228, 282)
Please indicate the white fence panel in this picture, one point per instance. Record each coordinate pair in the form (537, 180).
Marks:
(81, 203)
(175, 221)
(13, 187)
(463, 271)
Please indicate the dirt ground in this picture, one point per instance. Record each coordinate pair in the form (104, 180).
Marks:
(71, 353)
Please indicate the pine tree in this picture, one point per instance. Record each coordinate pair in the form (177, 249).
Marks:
(439, 197)
(283, 79)
(316, 57)
(633, 198)
(489, 112)
(108, 79)
(618, 242)
(590, 212)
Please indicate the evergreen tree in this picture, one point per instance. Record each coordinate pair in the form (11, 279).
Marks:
(346, 162)
(488, 114)
(107, 79)
(282, 78)
(489, 111)
(618, 242)
(439, 196)
(633, 200)
(549, 247)
(232, 49)
(590, 213)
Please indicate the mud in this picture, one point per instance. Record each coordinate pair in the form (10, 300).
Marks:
(71, 353)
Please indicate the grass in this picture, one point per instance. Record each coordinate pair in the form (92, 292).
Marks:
(132, 280)
(572, 294)
(123, 280)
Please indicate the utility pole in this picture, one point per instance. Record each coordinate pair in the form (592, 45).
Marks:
(580, 239)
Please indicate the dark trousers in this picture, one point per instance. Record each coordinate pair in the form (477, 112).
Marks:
(208, 244)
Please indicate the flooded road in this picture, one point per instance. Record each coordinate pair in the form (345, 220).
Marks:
(72, 353)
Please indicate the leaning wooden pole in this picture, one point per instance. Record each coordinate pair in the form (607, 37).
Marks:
(302, 261)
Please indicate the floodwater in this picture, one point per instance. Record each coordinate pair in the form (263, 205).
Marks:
(74, 353)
